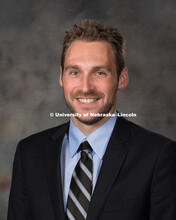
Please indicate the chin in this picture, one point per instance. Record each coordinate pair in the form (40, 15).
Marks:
(89, 121)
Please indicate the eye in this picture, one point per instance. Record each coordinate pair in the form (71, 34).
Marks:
(100, 73)
(75, 73)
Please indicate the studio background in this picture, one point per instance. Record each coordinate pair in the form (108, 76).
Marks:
(31, 36)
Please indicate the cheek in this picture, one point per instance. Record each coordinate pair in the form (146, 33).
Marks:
(108, 88)
(67, 85)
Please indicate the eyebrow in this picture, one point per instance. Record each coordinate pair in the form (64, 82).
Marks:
(71, 67)
(95, 68)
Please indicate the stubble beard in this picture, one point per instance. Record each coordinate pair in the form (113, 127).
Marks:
(90, 120)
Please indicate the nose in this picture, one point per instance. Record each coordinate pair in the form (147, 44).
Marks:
(87, 83)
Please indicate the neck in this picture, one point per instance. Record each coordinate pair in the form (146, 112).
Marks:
(86, 128)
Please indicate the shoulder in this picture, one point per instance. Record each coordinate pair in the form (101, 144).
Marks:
(147, 135)
(154, 143)
(42, 138)
(145, 147)
(139, 137)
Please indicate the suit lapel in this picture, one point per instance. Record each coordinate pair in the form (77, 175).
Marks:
(52, 161)
(113, 160)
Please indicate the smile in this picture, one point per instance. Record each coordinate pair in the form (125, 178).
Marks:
(87, 101)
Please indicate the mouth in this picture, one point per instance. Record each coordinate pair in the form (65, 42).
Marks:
(87, 100)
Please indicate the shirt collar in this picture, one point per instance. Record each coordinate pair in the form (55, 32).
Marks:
(98, 139)
(75, 137)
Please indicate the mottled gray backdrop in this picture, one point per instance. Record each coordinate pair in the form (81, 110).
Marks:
(31, 35)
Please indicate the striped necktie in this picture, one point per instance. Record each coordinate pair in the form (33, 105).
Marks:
(81, 186)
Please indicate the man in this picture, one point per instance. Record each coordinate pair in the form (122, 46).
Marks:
(94, 167)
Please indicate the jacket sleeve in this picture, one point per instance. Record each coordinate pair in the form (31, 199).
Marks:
(19, 208)
(163, 190)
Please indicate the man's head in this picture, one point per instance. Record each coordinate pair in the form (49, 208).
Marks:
(92, 30)
(89, 68)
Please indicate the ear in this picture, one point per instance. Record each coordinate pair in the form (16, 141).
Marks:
(61, 77)
(123, 78)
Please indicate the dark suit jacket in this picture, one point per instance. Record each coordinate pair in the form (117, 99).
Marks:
(137, 180)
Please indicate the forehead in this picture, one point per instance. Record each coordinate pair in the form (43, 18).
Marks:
(98, 51)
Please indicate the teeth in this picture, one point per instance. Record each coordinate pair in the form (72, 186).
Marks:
(87, 101)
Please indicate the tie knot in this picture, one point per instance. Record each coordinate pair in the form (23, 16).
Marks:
(85, 146)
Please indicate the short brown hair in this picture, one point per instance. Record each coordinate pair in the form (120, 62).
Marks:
(93, 30)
